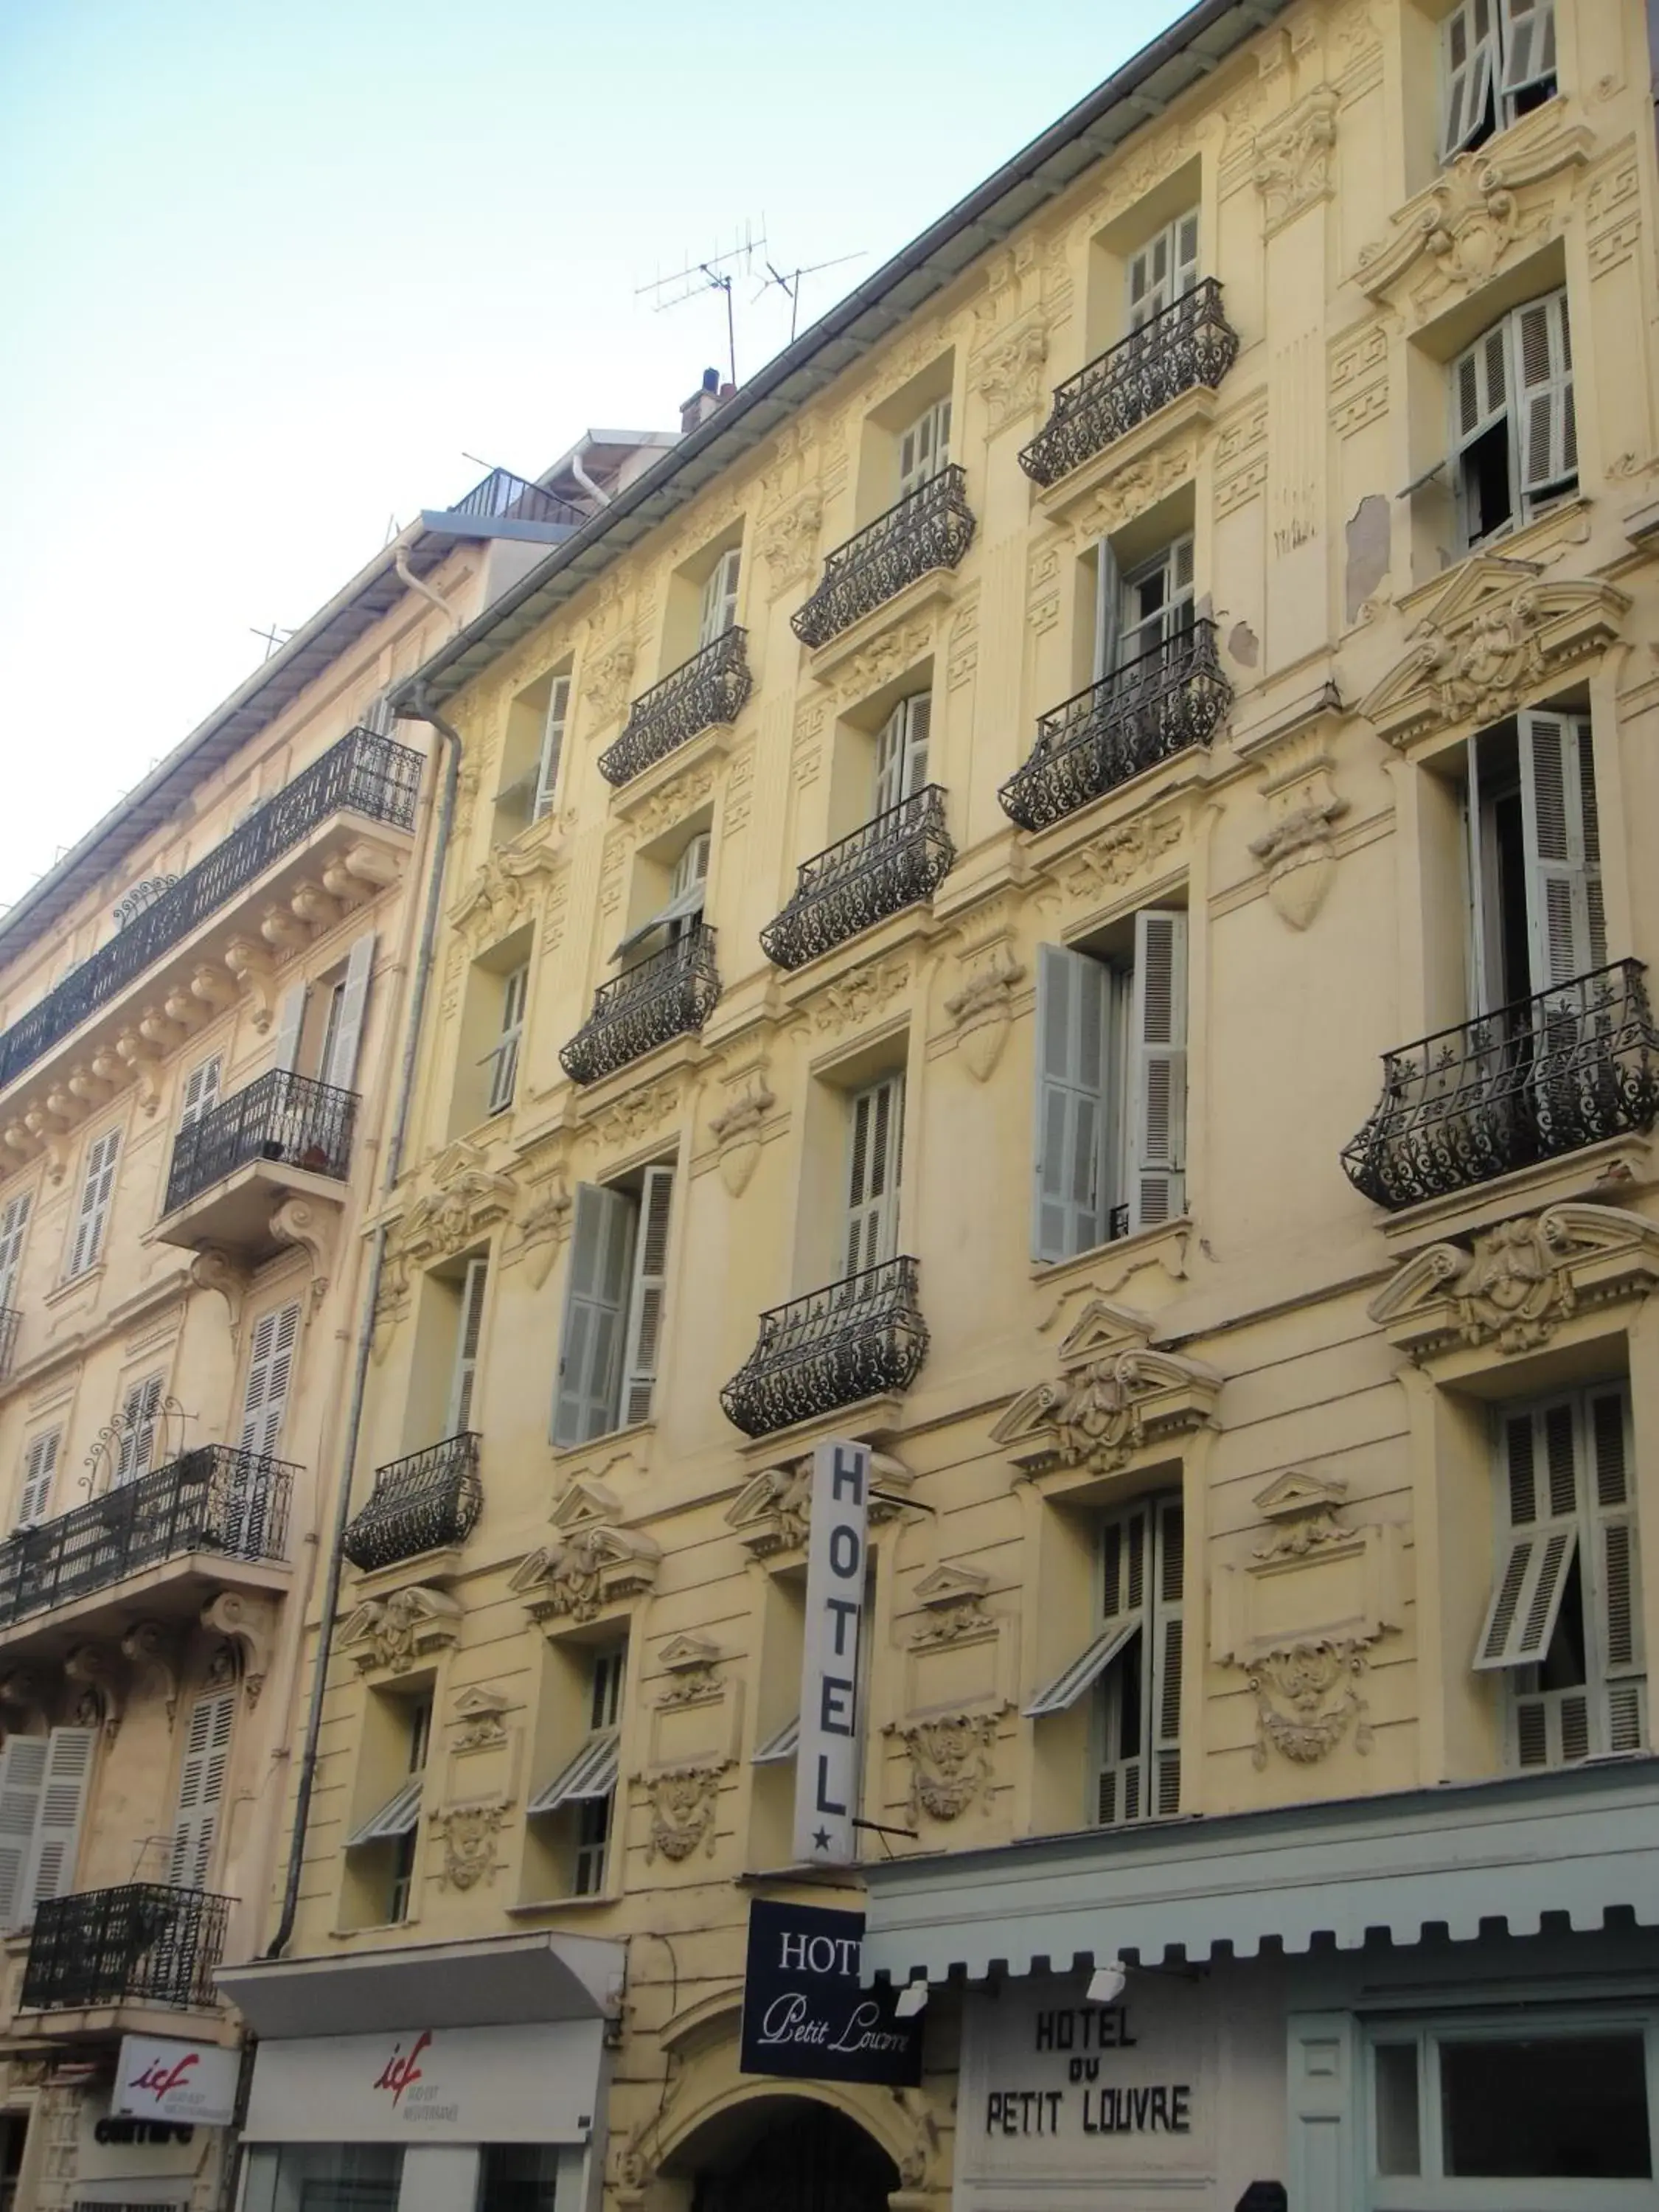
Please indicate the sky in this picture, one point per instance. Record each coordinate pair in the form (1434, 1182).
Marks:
(269, 272)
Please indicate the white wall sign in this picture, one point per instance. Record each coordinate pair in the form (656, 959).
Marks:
(831, 1722)
(420, 2085)
(158, 2078)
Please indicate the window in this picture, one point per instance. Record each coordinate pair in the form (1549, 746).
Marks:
(43, 1792)
(201, 1091)
(270, 1368)
(1165, 270)
(1111, 1081)
(39, 1469)
(398, 1823)
(92, 1216)
(517, 2177)
(1537, 917)
(612, 1340)
(502, 1058)
(1499, 63)
(924, 447)
(1514, 428)
(366, 2177)
(902, 751)
(532, 755)
(1150, 607)
(720, 598)
(141, 1417)
(14, 1226)
(585, 1787)
(201, 1789)
(688, 889)
(876, 1139)
(323, 1039)
(1563, 1625)
(552, 748)
(458, 1418)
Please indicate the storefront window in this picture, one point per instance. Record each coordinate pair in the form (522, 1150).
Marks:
(324, 2177)
(1398, 2149)
(517, 2177)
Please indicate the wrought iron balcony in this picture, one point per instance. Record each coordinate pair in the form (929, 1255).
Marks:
(278, 1116)
(668, 995)
(702, 692)
(231, 1504)
(363, 774)
(10, 1322)
(933, 528)
(425, 1503)
(145, 1943)
(1159, 704)
(901, 856)
(1542, 1077)
(1189, 344)
(857, 1339)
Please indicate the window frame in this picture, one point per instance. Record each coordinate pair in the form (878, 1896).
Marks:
(1505, 97)
(1158, 1613)
(1470, 370)
(503, 1057)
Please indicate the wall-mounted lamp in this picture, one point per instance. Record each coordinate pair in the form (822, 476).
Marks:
(1106, 1984)
(911, 2000)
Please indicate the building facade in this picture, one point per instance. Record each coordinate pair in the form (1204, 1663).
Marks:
(1083, 929)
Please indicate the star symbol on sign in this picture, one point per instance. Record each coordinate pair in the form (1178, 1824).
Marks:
(821, 1839)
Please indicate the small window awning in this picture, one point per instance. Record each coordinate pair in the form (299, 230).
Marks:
(779, 1749)
(680, 908)
(398, 1816)
(1084, 1671)
(591, 1775)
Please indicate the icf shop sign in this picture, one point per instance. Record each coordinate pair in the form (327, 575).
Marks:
(804, 2013)
(827, 1759)
(158, 2078)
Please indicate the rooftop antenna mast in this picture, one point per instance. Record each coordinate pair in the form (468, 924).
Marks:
(789, 284)
(713, 274)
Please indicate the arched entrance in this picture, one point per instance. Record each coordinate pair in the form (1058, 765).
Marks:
(785, 2154)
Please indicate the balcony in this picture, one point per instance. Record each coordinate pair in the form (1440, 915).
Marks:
(703, 693)
(363, 774)
(933, 528)
(192, 1526)
(900, 857)
(429, 1502)
(506, 505)
(1153, 707)
(1539, 1079)
(280, 1134)
(1190, 344)
(857, 1338)
(143, 1947)
(670, 995)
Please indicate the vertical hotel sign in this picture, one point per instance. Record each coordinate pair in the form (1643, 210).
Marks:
(827, 1760)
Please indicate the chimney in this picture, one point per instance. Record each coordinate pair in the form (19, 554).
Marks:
(710, 394)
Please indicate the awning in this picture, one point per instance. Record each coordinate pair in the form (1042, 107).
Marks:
(591, 1775)
(1084, 1671)
(1583, 1843)
(779, 1749)
(397, 1817)
(680, 908)
(503, 1982)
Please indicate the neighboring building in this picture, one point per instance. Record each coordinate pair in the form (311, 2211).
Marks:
(201, 1013)
(1172, 637)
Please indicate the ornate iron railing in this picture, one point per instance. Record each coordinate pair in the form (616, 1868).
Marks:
(503, 497)
(1190, 342)
(369, 774)
(1150, 709)
(231, 1503)
(10, 1322)
(901, 856)
(665, 996)
(1542, 1077)
(421, 1504)
(933, 528)
(854, 1340)
(700, 693)
(145, 1943)
(278, 1116)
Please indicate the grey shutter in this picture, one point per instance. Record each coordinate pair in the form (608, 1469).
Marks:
(22, 1778)
(14, 1226)
(1480, 399)
(1469, 50)
(96, 1190)
(141, 1411)
(1074, 1004)
(1485, 954)
(201, 1094)
(902, 751)
(875, 1120)
(503, 1055)
(469, 1330)
(1084, 1672)
(1565, 925)
(647, 1294)
(1158, 1069)
(1324, 2101)
(1184, 233)
(1125, 1583)
(1529, 44)
(720, 597)
(1616, 1580)
(1108, 611)
(584, 1404)
(547, 766)
(1168, 1653)
(39, 1467)
(270, 1368)
(342, 1069)
(201, 1789)
(1547, 424)
(290, 1021)
(63, 1800)
(1541, 1453)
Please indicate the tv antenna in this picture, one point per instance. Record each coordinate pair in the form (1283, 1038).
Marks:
(714, 274)
(789, 284)
(275, 637)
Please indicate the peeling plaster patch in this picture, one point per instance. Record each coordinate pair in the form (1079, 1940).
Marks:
(1242, 645)
(1368, 551)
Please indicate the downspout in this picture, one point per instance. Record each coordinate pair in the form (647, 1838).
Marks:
(599, 498)
(443, 822)
(423, 590)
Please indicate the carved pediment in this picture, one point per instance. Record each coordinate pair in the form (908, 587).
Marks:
(466, 1198)
(1115, 1395)
(583, 1503)
(952, 1596)
(397, 1633)
(1514, 1283)
(596, 1565)
(685, 1651)
(773, 1512)
(1499, 634)
(504, 891)
(480, 1701)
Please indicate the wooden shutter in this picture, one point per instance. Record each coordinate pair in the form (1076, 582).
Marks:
(902, 751)
(14, 1225)
(39, 1467)
(1158, 1069)
(141, 1412)
(62, 1800)
(720, 597)
(547, 767)
(925, 447)
(1121, 1789)
(1566, 930)
(1547, 425)
(342, 1069)
(1529, 44)
(201, 1093)
(647, 1294)
(290, 1021)
(1108, 611)
(1070, 1202)
(1469, 50)
(22, 1778)
(271, 1364)
(1616, 1577)
(201, 1789)
(503, 1055)
(590, 1341)
(96, 1193)
(1167, 1650)
(1480, 399)
(1149, 280)
(1184, 233)
(469, 1329)
(877, 1126)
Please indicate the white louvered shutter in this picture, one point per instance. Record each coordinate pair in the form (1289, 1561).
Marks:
(1070, 1202)
(469, 1330)
(876, 1130)
(1528, 46)
(1617, 1569)
(1547, 424)
(1168, 1637)
(690, 877)
(1480, 399)
(201, 1091)
(647, 1295)
(96, 1191)
(925, 447)
(290, 1022)
(1184, 253)
(39, 1467)
(1108, 611)
(1121, 1789)
(720, 597)
(1566, 928)
(1158, 1069)
(63, 1800)
(1164, 270)
(547, 766)
(902, 751)
(201, 1789)
(587, 1395)
(14, 1226)
(22, 1778)
(1469, 46)
(341, 1071)
(141, 1413)
(504, 1054)
(269, 1367)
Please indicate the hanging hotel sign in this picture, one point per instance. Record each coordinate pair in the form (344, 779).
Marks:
(804, 2013)
(827, 1760)
(162, 2078)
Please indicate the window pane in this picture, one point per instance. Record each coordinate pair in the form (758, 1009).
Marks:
(324, 2177)
(1569, 2108)
(518, 2176)
(1397, 2132)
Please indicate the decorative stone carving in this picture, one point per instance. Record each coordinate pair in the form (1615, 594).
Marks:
(540, 1232)
(789, 542)
(1115, 1396)
(605, 679)
(151, 1649)
(885, 657)
(1117, 856)
(1301, 1510)
(251, 963)
(505, 893)
(681, 796)
(982, 1009)
(637, 1113)
(773, 1512)
(952, 1762)
(478, 1712)
(397, 1633)
(683, 1805)
(596, 1562)
(210, 1269)
(1298, 853)
(953, 1599)
(1130, 491)
(313, 1224)
(1294, 157)
(737, 1130)
(99, 1706)
(468, 1834)
(1008, 374)
(466, 1199)
(857, 996)
(1307, 1697)
(248, 1624)
(689, 1662)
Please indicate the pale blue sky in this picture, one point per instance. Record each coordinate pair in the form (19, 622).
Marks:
(270, 270)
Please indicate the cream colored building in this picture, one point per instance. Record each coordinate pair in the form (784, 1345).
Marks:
(1030, 767)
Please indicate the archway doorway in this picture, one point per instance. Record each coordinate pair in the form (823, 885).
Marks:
(785, 2154)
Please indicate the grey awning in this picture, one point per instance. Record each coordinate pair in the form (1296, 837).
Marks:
(680, 908)
(1584, 1843)
(1084, 1671)
(590, 1775)
(501, 1983)
(400, 1813)
(779, 1749)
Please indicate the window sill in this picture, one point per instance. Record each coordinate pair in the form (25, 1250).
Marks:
(563, 1455)
(375, 1928)
(89, 1278)
(1139, 1242)
(544, 1904)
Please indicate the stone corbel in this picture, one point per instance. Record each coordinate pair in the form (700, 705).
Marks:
(100, 1704)
(90, 1088)
(251, 963)
(737, 1128)
(210, 1269)
(182, 1006)
(213, 988)
(314, 907)
(282, 929)
(249, 1623)
(982, 1008)
(25, 1691)
(63, 1108)
(355, 876)
(49, 1137)
(143, 1059)
(1296, 848)
(19, 1142)
(313, 1225)
(151, 1649)
(540, 1232)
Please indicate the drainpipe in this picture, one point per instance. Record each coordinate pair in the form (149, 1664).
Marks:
(599, 498)
(419, 585)
(443, 822)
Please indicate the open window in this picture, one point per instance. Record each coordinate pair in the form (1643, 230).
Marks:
(573, 1815)
(1498, 63)
(1140, 612)
(382, 1851)
(875, 1124)
(1537, 918)
(494, 1020)
(532, 755)
(924, 446)
(503, 1055)
(719, 611)
(319, 1022)
(615, 1307)
(1163, 270)
(902, 751)
(681, 910)
(1514, 428)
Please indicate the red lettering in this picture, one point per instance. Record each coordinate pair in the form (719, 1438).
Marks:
(398, 2072)
(163, 2078)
